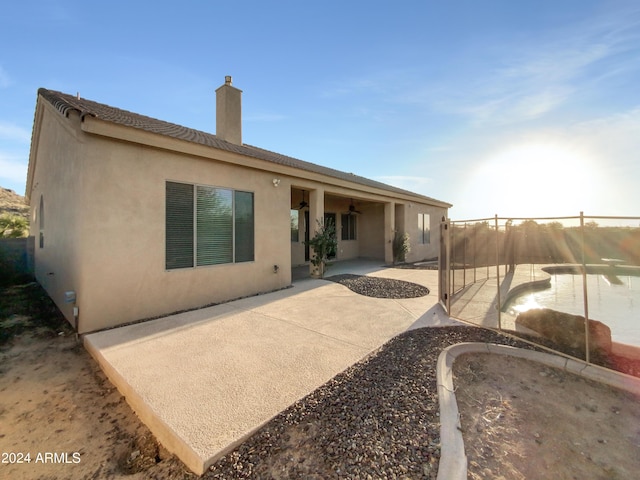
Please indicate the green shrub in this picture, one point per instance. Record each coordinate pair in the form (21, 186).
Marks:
(401, 247)
(13, 226)
(324, 242)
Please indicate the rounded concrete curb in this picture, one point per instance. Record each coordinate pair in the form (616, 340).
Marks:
(453, 461)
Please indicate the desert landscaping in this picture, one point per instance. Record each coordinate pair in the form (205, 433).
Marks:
(377, 419)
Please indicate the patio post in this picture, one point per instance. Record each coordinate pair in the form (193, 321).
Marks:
(389, 231)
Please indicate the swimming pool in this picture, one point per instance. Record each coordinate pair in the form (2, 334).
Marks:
(614, 303)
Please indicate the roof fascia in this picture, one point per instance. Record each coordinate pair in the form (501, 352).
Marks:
(33, 151)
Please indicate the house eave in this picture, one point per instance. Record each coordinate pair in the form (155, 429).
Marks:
(101, 119)
(96, 126)
(33, 151)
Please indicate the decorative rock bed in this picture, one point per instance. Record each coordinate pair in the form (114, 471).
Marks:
(377, 419)
(380, 287)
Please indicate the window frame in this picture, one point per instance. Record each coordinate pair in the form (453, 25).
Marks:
(247, 254)
(295, 230)
(350, 233)
(40, 213)
(424, 228)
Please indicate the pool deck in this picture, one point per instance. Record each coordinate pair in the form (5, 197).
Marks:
(478, 302)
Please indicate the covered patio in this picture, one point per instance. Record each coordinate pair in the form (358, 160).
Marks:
(365, 224)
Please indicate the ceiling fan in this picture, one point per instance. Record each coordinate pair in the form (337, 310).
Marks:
(303, 203)
(352, 209)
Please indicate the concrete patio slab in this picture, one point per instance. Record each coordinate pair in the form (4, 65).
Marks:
(204, 380)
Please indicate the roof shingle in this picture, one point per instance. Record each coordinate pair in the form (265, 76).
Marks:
(65, 103)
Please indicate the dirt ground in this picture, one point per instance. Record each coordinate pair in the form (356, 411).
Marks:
(61, 418)
(521, 419)
(57, 407)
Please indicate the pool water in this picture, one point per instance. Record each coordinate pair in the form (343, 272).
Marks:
(614, 301)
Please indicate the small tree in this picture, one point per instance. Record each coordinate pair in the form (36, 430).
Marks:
(401, 247)
(323, 243)
(13, 226)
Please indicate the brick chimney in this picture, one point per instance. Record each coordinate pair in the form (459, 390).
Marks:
(229, 112)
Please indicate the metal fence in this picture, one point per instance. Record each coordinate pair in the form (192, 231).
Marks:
(494, 265)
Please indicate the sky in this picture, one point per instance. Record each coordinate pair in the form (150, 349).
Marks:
(516, 108)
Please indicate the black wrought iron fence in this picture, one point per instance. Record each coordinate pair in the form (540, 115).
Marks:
(494, 263)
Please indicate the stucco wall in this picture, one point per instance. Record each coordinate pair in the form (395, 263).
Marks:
(124, 270)
(58, 180)
(423, 251)
(371, 231)
(104, 234)
(400, 217)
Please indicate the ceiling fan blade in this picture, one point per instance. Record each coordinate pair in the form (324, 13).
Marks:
(303, 203)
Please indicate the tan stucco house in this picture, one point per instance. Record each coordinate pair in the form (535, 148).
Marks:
(135, 218)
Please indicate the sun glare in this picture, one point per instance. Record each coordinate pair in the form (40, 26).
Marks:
(535, 179)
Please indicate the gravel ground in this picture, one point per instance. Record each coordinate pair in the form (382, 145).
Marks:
(377, 419)
(380, 287)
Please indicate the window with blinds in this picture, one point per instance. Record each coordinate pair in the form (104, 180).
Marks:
(179, 230)
(214, 226)
(207, 226)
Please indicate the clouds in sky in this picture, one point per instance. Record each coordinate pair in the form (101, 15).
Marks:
(548, 102)
(557, 77)
(535, 78)
(563, 98)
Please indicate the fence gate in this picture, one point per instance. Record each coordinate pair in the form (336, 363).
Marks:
(443, 267)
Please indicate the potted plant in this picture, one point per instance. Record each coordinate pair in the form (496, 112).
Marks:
(323, 243)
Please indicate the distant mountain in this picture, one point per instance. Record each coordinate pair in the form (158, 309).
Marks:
(12, 203)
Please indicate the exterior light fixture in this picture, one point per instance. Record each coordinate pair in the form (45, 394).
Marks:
(276, 182)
